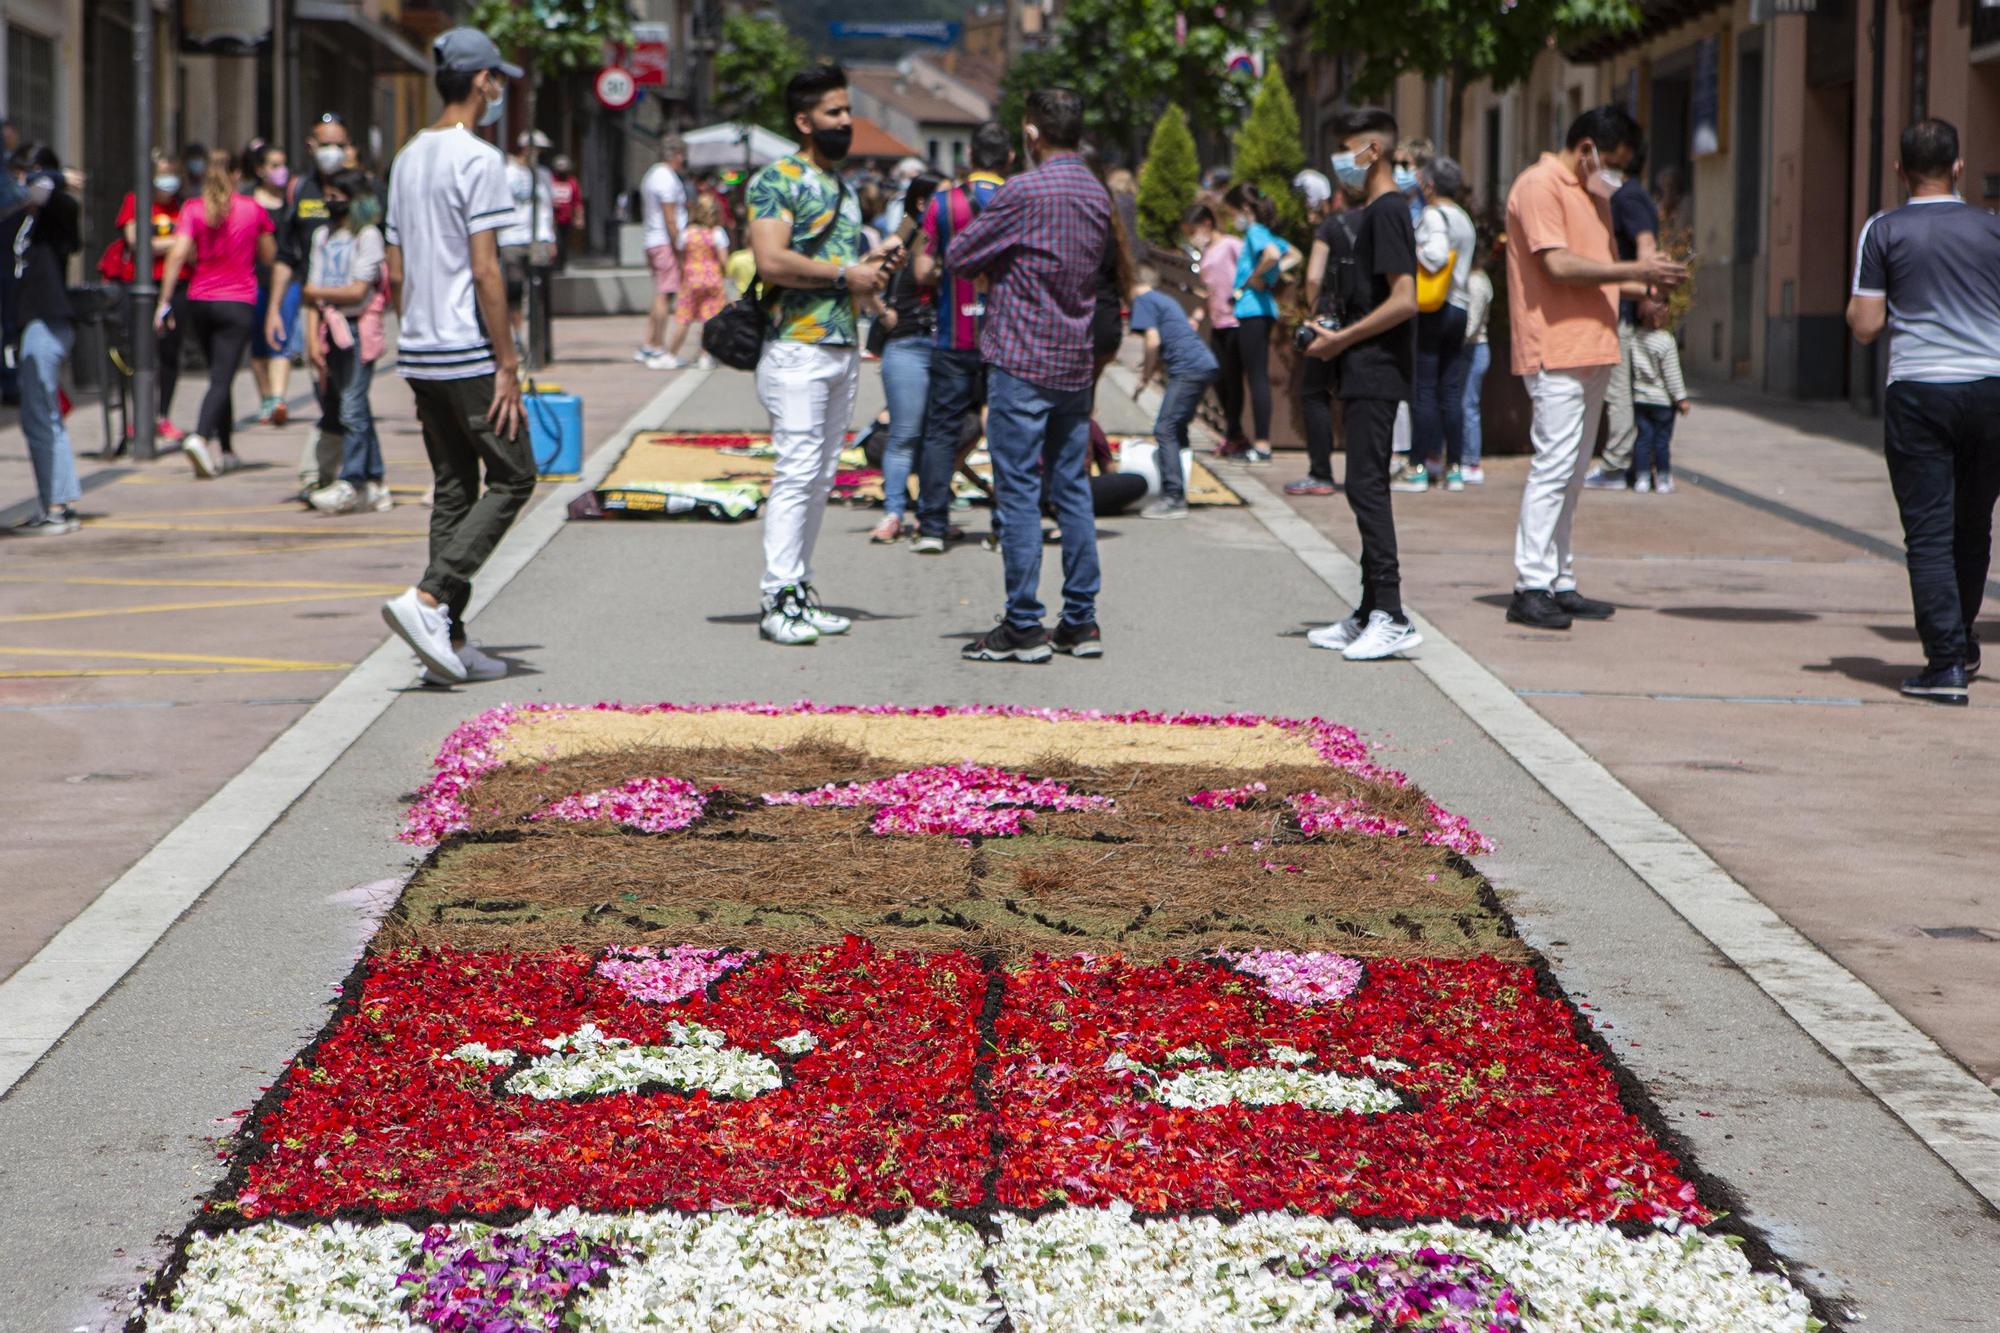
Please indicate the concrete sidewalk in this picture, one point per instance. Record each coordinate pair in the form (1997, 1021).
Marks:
(1746, 690)
(145, 660)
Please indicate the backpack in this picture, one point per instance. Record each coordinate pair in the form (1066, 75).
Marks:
(1340, 289)
(735, 337)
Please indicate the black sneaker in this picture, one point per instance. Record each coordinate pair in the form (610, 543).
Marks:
(1078, 640)
(1939, 684)
(1004, 643)
(1971, 653)
(1537, 610)
(1580, 607)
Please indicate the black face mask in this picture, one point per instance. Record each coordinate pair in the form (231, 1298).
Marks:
(833, 144)
(337, 208)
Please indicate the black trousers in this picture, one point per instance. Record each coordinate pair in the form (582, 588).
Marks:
(224, 329)
(1317, 385)
(1229, 383)
(1371, 437)
(468, 521)
(1942, 442)
(1253, 347)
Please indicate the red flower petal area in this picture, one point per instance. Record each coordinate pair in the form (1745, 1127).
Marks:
(1514, 1117)
(882, 1113)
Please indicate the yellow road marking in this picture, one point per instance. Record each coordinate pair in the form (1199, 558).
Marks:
(161, 671)
(276, 663)
(141, 525)
(161, 609)
(389, 589)
(209, 553)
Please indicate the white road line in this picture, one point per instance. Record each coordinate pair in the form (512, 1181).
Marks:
(1944, 1105)
(72, 972)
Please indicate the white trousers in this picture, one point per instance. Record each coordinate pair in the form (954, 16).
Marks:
(808, 390)
(1567, 404)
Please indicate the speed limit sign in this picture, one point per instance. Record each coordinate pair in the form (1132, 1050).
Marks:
(616, 87)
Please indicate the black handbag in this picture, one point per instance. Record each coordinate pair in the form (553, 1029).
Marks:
(735, 337)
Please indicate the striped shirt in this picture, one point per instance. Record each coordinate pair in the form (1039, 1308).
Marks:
(445, 186)
(959, 303)
(1039, 242)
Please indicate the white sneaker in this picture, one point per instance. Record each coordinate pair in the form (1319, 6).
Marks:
(1664, 484)
(1473, 474)
(1337, 635)
(785, 619)
(1642, 484)
(478, 666)
(821, 619)
(376, 498)
(196, 450)
(1384, 637)
(663, 361)
(339, 498)
(643, 353)
(704, 362)
(426, 630)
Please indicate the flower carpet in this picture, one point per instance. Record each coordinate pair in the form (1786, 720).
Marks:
(804, 1017)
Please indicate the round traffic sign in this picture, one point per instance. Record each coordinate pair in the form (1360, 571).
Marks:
(616, 87)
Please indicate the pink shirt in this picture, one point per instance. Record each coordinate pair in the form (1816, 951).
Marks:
(1218, 274)
(225, 256)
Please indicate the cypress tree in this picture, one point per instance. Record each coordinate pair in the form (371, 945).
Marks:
(1268, 150)
(1168, 179)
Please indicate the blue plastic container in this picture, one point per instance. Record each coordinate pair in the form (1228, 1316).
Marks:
(555, 428)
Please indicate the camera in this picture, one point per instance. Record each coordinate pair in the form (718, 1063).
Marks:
(1303, 335)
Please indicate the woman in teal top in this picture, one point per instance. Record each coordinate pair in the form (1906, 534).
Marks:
(1256, 305)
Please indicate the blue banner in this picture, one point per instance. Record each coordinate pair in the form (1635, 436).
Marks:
(937, 32)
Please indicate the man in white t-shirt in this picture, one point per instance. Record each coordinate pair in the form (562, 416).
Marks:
(663, 208)
(529, 240)
(448, 201)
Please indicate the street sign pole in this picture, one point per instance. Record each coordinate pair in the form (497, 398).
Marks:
(141, 413)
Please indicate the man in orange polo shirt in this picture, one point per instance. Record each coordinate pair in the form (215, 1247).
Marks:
(1563, 286)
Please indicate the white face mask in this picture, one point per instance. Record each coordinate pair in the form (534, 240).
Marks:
(1613, 177)
(495, 108)
(328, 158)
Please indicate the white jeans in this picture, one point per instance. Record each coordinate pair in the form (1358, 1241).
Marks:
(808, 389)
(1567, 404)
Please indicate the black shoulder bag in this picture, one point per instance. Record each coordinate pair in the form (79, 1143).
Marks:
(735, 337)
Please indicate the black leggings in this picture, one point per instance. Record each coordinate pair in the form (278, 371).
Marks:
(1253, 348)
(223, 329)
(1229, 382)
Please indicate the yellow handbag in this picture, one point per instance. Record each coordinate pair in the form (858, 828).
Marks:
(1434, 287)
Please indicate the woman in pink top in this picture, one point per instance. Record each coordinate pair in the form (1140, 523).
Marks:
(227, 235)
(1217, 270)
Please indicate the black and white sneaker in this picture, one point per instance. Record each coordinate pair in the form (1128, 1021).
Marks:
(1971, 653)
(784, 620)
(821, 619)
(1939, 684)
(1578, 607)
(1077, 640)
(1004, 643)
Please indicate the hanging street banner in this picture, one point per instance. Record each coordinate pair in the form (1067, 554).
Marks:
(649, 55)
(935, 32)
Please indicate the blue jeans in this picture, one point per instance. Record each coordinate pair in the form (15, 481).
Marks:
(956, 378)
(1178, 402)
(289, 308)
(906, 379)
(39, 373)
(1040, 442)
(1653, 452)
(1478, 359)
(343, 397)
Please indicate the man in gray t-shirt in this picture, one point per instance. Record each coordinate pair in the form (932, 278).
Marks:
(1929, 272)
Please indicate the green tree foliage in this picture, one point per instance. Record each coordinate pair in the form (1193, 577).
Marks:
(1268, 150)
(1168, 179)
(1463, 40)
(758, 56)
(556, 36)
(1126, 59)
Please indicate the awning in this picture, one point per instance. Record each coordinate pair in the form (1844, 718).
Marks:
(386, 39)
(723, 145)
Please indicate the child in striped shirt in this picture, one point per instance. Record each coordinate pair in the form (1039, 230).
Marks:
(1658, 395)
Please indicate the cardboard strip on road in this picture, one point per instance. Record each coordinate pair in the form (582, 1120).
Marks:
(55, 988)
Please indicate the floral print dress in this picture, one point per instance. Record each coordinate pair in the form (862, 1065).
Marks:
(701, 274)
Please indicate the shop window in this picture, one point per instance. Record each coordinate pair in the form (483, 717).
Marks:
(31, 84)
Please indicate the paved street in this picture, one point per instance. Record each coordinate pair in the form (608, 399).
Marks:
(1745, 692)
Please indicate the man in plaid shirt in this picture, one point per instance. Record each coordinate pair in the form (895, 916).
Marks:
(1039, 244)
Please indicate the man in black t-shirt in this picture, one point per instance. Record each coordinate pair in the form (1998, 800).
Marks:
(1635, 230)
(1375, 300)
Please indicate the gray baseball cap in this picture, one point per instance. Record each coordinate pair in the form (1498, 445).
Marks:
(469, 50)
